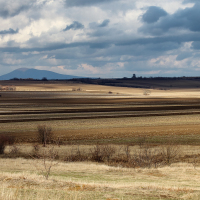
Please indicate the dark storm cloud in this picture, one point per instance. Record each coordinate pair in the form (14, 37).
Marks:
(9, 31)
(74, 26)
(85, 2)
(153, 14)
(187, 18)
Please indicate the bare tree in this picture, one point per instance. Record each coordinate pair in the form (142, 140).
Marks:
(45, 160)
(45, 134)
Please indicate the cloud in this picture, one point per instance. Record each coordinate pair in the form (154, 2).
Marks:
(85, 2)
(184, 55)
(12, 8)
(104, 23)
(190, 1)
(176, 39)
(95, 25)
(89, 68)
(74, 26)
(153, 14)
(4, 12)
(106, 38)
(196, 45)
(100, 45)
(187, 19)
(9, 31)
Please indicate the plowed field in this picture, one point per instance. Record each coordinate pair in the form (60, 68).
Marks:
(83, 116)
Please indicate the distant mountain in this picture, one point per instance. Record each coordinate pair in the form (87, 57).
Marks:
(26, 73)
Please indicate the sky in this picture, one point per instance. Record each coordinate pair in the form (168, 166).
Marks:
(101, 38)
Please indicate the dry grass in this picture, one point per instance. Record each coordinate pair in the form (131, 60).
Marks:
(97, 181)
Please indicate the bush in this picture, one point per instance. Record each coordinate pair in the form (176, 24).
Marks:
(100, 153)
(96, 154)
(170, 153)
(76, 155)
(5, 140)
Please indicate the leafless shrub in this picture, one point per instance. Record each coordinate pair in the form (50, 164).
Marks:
(127, 151)
(76, 155)
(96, 153)
(170, 152)
(141, 157)
(110, 92)
(45, 160)
(107, 152)
(144, 156)
(36, 147)
(195, 162)
(45, 134)
(5, 140)
(35, 151)
(149, 156)
(102, 153)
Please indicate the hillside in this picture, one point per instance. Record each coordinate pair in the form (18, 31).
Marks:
(25, 73)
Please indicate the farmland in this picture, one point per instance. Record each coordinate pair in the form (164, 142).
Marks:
(82, 116)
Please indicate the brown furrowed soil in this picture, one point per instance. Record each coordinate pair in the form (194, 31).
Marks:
(98, 116)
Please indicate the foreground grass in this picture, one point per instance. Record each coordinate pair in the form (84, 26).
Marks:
(19, 179)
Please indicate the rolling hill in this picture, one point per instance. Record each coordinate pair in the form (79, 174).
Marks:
(25, 73)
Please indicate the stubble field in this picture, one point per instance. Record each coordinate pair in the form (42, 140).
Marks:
(86, 115)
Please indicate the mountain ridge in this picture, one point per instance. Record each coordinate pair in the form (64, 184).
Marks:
(26, 73)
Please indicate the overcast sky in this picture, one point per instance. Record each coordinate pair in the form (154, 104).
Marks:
(101, 38)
